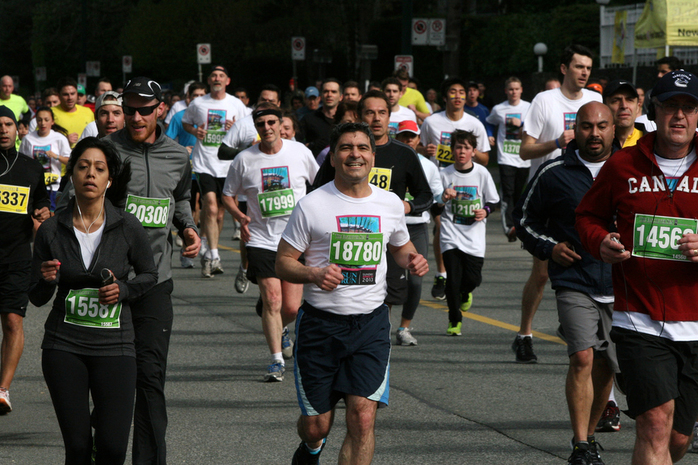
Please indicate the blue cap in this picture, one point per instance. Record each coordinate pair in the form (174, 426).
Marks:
(311, 92)
(677, 82)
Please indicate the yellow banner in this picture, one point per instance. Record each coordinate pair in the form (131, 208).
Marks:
(619, 34)
(667, 22)
(650, 30)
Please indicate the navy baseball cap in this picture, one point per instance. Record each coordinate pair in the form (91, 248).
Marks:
(677, 82)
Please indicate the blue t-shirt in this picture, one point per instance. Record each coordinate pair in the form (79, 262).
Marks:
(481, 112)
(176, 131)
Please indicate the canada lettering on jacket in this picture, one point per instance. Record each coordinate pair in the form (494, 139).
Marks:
(657, 184)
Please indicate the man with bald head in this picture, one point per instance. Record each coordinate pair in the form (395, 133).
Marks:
(545, 219)
(12, 101)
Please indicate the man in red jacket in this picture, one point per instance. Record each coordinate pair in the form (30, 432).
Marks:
(651, 192)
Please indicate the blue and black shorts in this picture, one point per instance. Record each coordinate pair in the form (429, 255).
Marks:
(339, 355)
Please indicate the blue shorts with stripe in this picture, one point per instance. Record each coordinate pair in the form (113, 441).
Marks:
(336, 355)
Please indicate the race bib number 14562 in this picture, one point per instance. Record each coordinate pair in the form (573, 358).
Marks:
(658, 236)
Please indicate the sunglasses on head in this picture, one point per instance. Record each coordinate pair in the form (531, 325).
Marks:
(143, 111)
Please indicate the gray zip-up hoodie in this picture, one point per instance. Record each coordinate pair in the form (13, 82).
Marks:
(159, 170)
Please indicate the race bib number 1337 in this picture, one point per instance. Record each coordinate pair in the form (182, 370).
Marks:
(658, 236)
(14, 199)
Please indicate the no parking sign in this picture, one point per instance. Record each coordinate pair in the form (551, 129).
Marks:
(203, 54)
(298, 48)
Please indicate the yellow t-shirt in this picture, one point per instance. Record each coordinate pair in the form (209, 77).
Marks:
(414, 97)
(74, 122)
(633, 138)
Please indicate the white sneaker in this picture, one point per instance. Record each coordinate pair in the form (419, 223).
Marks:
(405, 338)
(216, 267)
(5, 405)
(241, 282)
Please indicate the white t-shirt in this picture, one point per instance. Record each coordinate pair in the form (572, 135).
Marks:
(313, 229)
(437, 130)
(550, 114)
(36, 147)
(89, 243)
(212, 114)
(273, 183)
(89, 131)
(178, 106)
(475, 189)
(434, 179)
(509, 132)
(398, 117)
(242, 134)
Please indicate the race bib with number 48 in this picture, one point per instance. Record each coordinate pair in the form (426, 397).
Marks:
(381, 177)
(82, 308)
(152, 213)
(657, 236)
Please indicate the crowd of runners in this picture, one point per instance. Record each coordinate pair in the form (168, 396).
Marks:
(332, 191)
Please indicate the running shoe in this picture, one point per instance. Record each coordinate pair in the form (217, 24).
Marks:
(580, 455)
(302, 456)
(5, 405)
(523, 348)
(594, 451)
(275, 372)
(511, 234)
(405, 338)
(186, 262)
(693, 448)
(286, 344)
(610, 420)
(241, 281)
(438, 291)
(206, 270)
(466, 303)
(216, 267)
(454, 330)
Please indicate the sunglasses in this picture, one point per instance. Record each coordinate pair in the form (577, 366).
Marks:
(143, 111)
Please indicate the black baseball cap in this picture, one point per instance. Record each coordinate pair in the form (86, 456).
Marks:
(144, 87)
(618, 84)
(220, 68)
(677, 82)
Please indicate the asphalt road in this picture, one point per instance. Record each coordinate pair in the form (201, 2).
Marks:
(452, 400)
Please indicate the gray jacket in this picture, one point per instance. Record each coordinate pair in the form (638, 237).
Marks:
(158, 170)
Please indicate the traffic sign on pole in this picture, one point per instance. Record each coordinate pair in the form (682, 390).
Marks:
(127, 64)
(405, 62)
(41, 74)
(437, 32)
(203, 53)
(92, 68)
(298, 48)
(420, 29)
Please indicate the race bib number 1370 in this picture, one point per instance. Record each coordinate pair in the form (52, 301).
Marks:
(658, 236)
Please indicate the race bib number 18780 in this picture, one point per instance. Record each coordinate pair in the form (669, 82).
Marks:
(658, 236)
(356, 249)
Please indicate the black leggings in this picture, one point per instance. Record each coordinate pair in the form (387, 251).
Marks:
(419, 235)
(71, 378)
(464, 275)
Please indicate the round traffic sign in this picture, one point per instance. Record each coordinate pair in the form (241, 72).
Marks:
(203, 50)
(420, 27)
(298, 44)
(437, 25)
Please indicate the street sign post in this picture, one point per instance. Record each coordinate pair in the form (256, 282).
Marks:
(203, 57)
(405, 62)
(420, 29)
